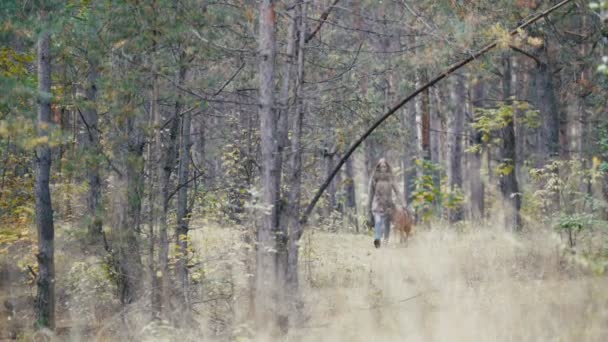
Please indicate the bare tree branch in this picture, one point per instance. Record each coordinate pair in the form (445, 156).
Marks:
(322, 20)
(527, 54)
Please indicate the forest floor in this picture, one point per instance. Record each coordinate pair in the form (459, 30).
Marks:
(445, 284)
(475, 285)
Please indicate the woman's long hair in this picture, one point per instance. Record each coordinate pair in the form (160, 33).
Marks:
(382, 175)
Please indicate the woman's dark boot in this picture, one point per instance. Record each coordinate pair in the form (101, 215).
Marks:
(377, 243)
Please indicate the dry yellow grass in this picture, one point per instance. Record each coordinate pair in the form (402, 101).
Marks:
(480, 285)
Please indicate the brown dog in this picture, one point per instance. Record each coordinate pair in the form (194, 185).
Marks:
(403, 222)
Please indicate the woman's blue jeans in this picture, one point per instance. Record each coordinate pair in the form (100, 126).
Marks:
(382, 226)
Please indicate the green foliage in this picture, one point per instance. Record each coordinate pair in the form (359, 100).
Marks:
(89, 286)
(602, 8)
(564, 186)
(490, 120)
(602, 147)
(426, 193)
(576, 222)
(430, 195)
(453, 199)
(16, 193)
(505, 168)
(13, 63)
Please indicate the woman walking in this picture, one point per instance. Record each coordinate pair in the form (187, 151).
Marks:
(380, 200)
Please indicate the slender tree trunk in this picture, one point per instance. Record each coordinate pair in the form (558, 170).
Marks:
(508, 178)
(409, 150)
(93, 147)
(584, 89)
(153, 155)
(435, 108)
(521, 91)
(183, 217)
(456, 127)
(476, 184)
(368, 159)
(282, 143)
(339, 185)
(423, 120)
(153, 159)
(167, 165)
(45, 298)
(351, 199)
(266, 279)
(198, 154)
(129, 267)
(409, 145)
(283, 112)
(328, 161)
(295, 178)
(423, 125)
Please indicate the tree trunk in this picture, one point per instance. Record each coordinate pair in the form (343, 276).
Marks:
(45, 298)
(282, 143)
(435, 108)
(339, 185)
(476, 184)
(129, 264)
(283, 112)
(456, 126)
(167, 164)
(93, 148)
(266, 279)
(328, 161)
(198, 153)
(423, 121)
(423, 125)
(183, 219)
(153, 159)
(368, 159)
(521, 92)
(350, 195)
(508, 178)
(410, 143)
(547, 103)
(295, 178)
(409, 150)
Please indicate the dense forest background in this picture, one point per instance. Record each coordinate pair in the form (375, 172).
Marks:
(157, 158)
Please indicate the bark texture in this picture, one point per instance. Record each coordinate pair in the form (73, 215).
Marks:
(183, 218)
(508, 177)
(45, 297)
(266, 270)
(456, 130)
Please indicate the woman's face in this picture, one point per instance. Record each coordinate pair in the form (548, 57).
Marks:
(383, 166)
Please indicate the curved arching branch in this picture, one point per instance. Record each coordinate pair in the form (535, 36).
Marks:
(432, 82)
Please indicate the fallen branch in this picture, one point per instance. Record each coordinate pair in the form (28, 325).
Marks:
(432, 82)
(32, 271)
